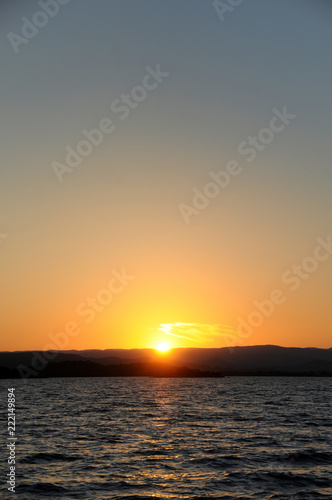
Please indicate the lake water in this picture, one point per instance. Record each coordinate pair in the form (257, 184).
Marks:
(143, 438)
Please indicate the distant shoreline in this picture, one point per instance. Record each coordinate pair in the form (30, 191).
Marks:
(258, 361)
(78, 369)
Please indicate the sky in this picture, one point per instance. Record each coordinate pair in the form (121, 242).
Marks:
(197, 209)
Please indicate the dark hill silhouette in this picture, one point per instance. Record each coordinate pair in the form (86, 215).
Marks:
(250, 360)
(90, 369)
(244, 360)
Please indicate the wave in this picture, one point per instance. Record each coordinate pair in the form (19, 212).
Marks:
(41, 488)
(301, 495)
(38, 458)
(307, 457)
(221, 462)
(151, 452)
(297, 480)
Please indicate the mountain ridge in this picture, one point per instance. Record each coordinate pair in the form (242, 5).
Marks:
(238, 360)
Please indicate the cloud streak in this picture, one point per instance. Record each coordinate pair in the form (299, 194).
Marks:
(196, 332)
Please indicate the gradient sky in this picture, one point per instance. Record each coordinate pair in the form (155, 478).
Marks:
(60, 242)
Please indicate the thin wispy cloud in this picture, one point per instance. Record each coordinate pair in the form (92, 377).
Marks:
(197, 332)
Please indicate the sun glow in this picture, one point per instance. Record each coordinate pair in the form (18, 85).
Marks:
(163, 347)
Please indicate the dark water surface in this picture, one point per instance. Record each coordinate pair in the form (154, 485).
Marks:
(142, 438)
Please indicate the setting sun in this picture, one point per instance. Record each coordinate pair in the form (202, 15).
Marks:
(163, 347)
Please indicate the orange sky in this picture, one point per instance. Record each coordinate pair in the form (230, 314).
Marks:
(107, 248)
